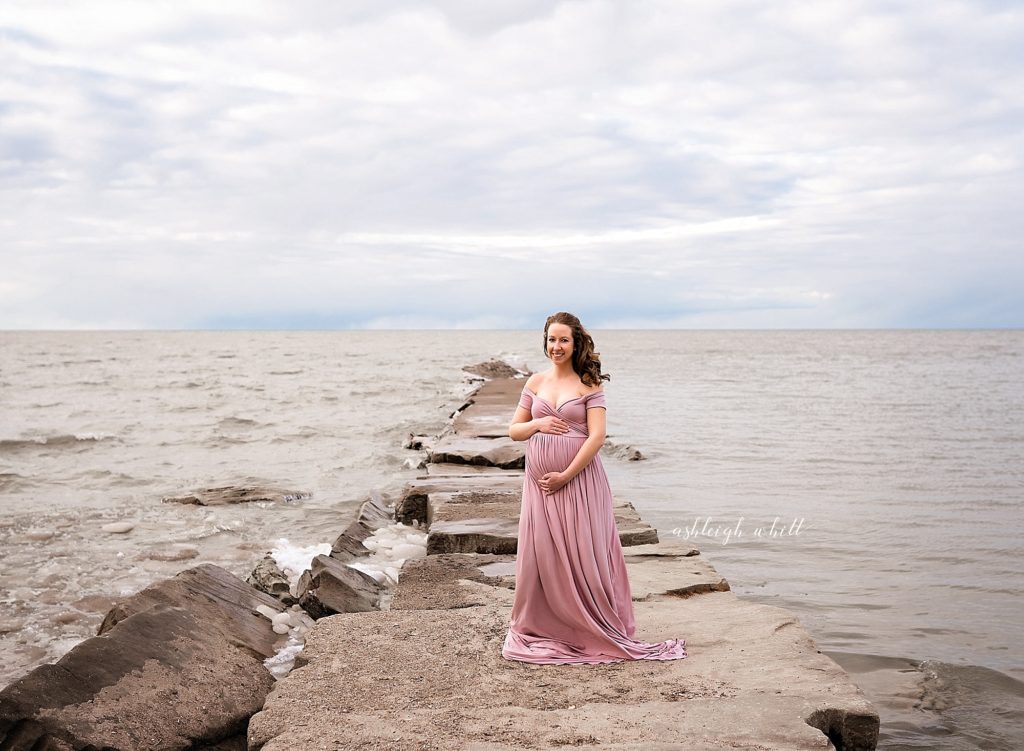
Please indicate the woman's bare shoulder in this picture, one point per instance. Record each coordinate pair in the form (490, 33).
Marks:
(534, 382)
(588, 390)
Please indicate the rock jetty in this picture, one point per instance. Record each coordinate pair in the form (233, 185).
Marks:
(411, 659)
(428, 673)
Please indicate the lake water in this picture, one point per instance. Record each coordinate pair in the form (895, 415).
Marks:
(892, 463)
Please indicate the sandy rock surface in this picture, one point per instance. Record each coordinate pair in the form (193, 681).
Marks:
(435, 679)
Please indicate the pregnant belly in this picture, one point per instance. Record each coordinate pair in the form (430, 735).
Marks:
(550, 453)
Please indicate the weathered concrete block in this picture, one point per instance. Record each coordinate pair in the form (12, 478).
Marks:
(672, 568)
(375, 512)
(412, 508)
(493, 452)
(330, 586)
(497, 536)
(268, 577)
(441, 581)
(349, 545)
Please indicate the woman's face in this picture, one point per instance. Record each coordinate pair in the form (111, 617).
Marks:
(559, 343)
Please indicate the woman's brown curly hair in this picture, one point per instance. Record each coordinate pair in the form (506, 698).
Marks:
(585, 360)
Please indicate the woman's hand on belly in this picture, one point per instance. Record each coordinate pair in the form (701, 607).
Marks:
(551, 424)
(551, 482)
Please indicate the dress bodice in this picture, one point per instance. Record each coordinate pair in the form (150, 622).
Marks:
(573, 411)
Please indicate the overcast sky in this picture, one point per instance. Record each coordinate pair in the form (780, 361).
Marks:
(484, 163)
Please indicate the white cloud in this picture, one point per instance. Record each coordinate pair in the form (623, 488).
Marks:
(838, 163)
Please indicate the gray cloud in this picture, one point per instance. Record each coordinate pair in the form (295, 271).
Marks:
(458, 164)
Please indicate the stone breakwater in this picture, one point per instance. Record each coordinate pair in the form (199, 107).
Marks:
(416, 663)
(428, 673)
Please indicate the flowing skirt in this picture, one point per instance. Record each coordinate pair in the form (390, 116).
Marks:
(572, 598)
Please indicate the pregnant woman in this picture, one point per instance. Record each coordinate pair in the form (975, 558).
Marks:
(572, 597)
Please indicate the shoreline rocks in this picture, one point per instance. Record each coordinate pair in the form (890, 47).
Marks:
(229, 494)
(329, 587)
(494, 369)
(178, 664)
(268, 577)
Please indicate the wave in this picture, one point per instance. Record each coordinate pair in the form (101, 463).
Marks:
(935, 704)
(12, 481)
(303, 433)
(111, 478)
(237, 422)
(219, 440)
(58, 440)
(187, 384)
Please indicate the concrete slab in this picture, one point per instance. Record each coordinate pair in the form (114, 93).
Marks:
(494, 527)
(451, 512)
(490, 410)
(441, 581)
(483, 535)
(500, 452)
(682, 576)
(464, 469)
(508, 480)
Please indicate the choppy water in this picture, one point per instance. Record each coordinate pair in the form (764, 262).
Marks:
(895, 458)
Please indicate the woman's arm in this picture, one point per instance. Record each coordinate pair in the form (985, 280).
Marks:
(522, 426)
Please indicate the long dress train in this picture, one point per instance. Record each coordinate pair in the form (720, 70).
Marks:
(572, 597)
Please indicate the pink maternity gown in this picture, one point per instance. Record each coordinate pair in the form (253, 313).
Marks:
(572, 598)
